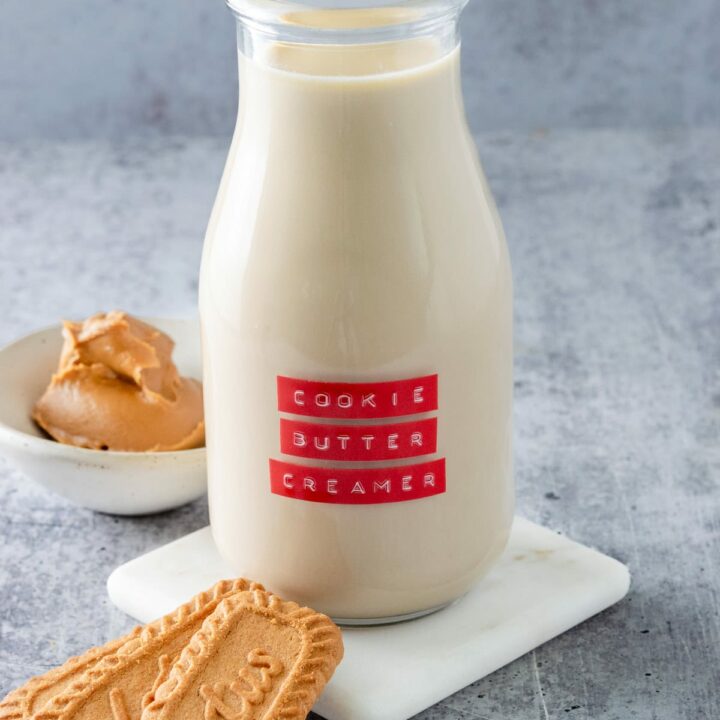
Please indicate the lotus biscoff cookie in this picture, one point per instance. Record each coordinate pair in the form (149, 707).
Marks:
(109, 682)
(23, 702)
(256, 657)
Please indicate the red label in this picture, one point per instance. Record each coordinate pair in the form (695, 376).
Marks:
(357, 486)
(358, 400)
(358, 442)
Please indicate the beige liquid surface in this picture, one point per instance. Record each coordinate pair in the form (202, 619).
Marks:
(354, 239)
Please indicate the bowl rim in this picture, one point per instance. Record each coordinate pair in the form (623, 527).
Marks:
(46, 445)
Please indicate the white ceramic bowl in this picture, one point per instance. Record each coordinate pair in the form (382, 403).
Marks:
(121, 483)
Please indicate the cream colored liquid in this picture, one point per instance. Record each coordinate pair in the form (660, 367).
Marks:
(354, 239)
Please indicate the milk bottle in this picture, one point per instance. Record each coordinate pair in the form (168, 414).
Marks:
(356, 306)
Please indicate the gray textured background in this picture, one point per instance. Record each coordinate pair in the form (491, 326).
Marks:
(109, 68)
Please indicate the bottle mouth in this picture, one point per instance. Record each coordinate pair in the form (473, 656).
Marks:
(343, 21)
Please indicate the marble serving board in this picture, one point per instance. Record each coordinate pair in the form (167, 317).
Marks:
(543, 585)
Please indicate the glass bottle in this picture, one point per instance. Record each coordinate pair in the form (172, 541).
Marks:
(356, 305)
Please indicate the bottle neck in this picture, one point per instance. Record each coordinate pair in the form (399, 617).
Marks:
(345, 23)
(352, 43)
(407, 75)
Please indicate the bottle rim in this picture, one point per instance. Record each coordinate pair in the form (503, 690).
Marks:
(349, 21)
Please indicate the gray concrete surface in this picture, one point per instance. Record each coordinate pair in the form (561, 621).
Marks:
(615, 240)
(95, 68)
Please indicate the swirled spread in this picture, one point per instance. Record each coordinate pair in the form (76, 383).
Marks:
(117, 388)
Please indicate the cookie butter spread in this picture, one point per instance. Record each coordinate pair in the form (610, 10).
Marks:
(117, 388)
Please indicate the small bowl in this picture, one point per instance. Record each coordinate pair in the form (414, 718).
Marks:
(120, 483)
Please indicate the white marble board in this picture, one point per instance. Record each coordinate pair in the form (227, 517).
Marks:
(544, 585)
